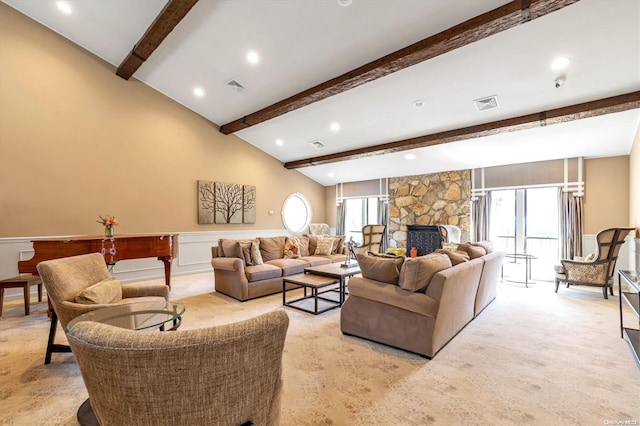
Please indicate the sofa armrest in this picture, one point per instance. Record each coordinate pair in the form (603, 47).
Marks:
(227, 264)
(143, 290)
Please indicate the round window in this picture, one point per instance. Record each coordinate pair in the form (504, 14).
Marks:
(296, 213)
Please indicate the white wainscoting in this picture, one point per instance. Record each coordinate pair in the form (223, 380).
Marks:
(194, 256)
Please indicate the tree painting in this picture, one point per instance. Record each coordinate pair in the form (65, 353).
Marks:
(206, 202)
(249, 206)
(228, 203)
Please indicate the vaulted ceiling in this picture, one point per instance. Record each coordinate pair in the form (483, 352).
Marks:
(374, 80)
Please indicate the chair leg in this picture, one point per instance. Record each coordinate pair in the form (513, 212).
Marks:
(604, 292)
(52, 347)
(611, 290)
(557, 285)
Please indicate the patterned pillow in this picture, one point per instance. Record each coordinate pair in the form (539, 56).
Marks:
(324, 246)
(338, 242)
(292, 248)
(245, 249)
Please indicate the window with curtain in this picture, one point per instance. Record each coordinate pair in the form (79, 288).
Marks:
(359, 212)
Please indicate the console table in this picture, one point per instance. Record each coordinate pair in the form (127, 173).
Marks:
(632, 297)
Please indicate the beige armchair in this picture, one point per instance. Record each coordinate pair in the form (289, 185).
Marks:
(597, 271)
(224, 375)
(85, 278)
(372, 236)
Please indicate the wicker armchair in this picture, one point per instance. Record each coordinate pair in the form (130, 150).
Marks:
(224, 375)
(599, 270)
(66, 278)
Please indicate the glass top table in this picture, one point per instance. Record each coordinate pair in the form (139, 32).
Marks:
(143, 315)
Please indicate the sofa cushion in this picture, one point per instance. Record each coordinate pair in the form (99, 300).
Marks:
(103, 292)
(416, 273)
(272, 248)
(456, 257)
(379, 268)
(324, 246)
(486, 245)
(473, 251)
(262, 272)
(292, 248)
(316, 260)
(289, 266)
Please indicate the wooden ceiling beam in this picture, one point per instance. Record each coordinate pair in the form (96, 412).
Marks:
(164, 23)
(545, 118)
(503, 18)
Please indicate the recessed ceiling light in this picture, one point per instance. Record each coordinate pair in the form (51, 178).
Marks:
(345, 3)
(410, 156)
(279, 142)
(560, 63)
(335, 126)
(253, 57)
(198, 91)
(64, 7)
(330, 174)
(419, 103)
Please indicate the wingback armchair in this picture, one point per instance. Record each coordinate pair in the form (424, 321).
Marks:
(79, 284)
(224, 375)
(598, 269)
(372, 236)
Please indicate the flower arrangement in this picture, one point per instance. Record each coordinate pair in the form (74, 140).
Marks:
(108, 222)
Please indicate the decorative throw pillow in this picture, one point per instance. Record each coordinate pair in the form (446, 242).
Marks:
(385, 269)
(416, 273)
(338, 242)
(473, 251)
(313, 243)
(104, 292)
(324, 246)
(304, 245)
(256, 256)
(456, 257)
(245, 249)
(292, 248)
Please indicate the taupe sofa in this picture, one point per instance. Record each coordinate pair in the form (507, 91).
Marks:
(425, 303)
(246, 269)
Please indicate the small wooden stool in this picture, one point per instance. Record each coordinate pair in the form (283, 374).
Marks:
(25, 281)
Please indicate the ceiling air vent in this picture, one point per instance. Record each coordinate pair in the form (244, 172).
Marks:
(489, 102)
(234, 85)
(316, 144)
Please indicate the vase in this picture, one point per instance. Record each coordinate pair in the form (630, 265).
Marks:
(108, 231)
(413, 252)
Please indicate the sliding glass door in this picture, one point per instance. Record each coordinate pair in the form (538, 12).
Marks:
(359, 212)
(526, 221)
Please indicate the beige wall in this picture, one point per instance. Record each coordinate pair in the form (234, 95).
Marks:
(634, 184)
(606, 200)
(76, 141)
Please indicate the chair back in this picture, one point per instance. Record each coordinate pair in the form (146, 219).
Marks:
(318, 229)
(609, 242)
(450, 233)
(223, 375)
(372, 236)
(65, 278)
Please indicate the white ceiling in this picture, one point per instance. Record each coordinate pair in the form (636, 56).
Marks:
(306, 42)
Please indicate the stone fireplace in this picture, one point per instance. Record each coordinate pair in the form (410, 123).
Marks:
(433, 199)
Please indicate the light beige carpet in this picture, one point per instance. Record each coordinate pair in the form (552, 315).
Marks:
(532, 357)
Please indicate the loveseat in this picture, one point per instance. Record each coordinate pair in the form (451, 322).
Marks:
(246, 269)
(420, 304)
